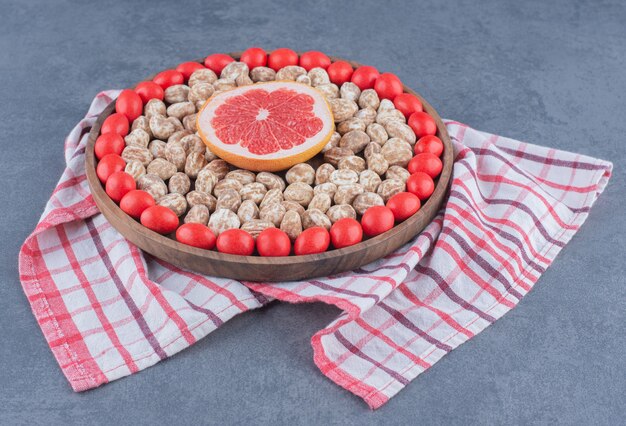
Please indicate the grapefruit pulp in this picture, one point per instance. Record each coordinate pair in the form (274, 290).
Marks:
(266, 126)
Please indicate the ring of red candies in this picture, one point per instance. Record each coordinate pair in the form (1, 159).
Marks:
(425, 166)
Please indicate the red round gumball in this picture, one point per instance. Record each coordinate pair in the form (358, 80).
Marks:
(365, 77)
(168, 78)
(281, 58)
(427, 163)
(376, 220)
(314, 59)
(196, 235)
(388, 86)
(159, 219)
(346, 232)
(109, 143)
(254, 57)
(188, 68)
(149, 90)
(340, 72)
(134, 202)
(311, 241)
(422, 124)
(421, 185)
(272, 242)
(235, 241)
(403, 205)
(108, 165)
(118, 184)
(407, 104)
(217, 62)
(115, 123)
(429, 143)
(129, 103)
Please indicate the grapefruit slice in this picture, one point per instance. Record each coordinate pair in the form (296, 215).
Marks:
(266, 126)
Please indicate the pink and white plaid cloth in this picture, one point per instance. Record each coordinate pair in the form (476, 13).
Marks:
(109, 310)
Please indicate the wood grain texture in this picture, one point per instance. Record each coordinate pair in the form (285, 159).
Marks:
(256, 268)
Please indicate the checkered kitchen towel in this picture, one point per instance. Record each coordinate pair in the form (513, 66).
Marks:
(109, 310)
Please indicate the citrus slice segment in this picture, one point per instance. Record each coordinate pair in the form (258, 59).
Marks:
(266, 126)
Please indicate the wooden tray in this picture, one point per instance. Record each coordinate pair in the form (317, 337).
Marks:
(256, 268)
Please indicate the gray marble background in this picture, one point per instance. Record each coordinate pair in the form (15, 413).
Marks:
(551, 73)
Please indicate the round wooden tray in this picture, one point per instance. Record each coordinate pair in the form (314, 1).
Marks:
(256, 268)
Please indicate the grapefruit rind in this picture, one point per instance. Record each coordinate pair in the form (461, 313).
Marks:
(277, 161)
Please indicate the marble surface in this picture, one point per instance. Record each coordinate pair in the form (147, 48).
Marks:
(550, 73)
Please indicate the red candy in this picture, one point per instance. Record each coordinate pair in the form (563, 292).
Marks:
(314, 59)
(188, 68)
(340, 72)
(311, 241)
(217, 62)
(407, 104)
(422, 124)
(365, 77)
(254, 57)
(281, 58)
(196, 235)
(115, 123)
(346, 232)
(129, 103)
(110, 143)
(388, 86)
(427, 163)
(108, 165)
(273, 242)
(376, 220)
(135, 202)
(118, 184)
(149, 90)
(159, 219)
(235, 241)
(168, 78)
(421, 185)
(403, 205)
(429, 143)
